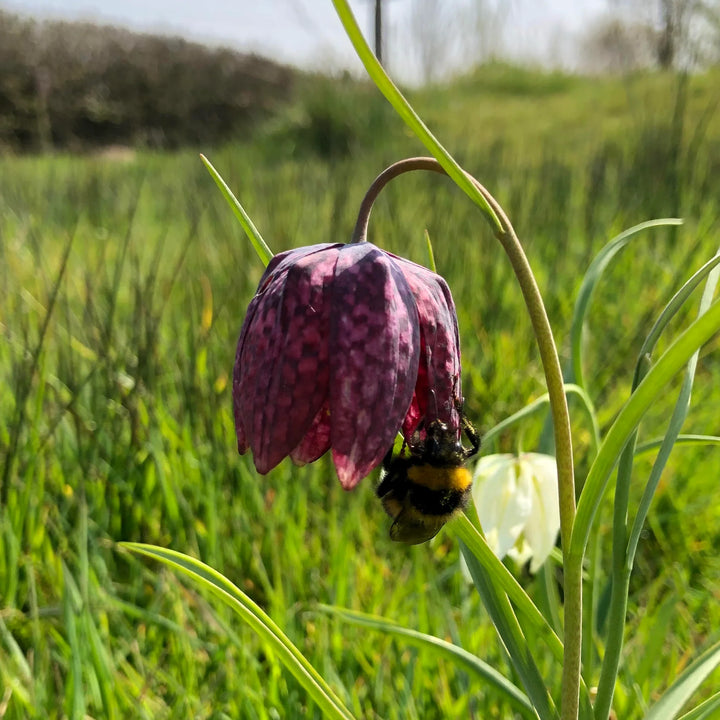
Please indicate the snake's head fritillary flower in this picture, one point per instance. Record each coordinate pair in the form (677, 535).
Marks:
(342, 347)
(517, 503)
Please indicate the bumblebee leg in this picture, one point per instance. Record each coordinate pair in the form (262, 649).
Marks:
(471, 434)
(468, 428)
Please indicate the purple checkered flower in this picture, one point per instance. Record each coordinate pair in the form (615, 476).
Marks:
(342, 347)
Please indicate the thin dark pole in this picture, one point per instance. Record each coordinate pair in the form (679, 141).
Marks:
(378, 30)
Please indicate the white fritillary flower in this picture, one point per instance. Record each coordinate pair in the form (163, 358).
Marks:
(516, 497)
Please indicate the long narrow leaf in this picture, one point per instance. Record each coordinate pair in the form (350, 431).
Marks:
(16, 655)
(405, 111)
(590, 281)
(261, 248)
(204, 576)
(26, 377)
(502, 580)
(624, 548)
(75, 693)
(705, 710)
(455, 654)
(673, 307)
(539, 404)
(652, 445)
(673, 699)
(501, 577)
(498, 606)
(667, 366)
(677, 419)
(431, 254)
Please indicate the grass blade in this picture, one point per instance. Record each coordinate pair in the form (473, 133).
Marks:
(673, 699)
(431, 254)
(623, 548)
(679, 412)
(652, 445)
(22, 392)
(204, 576)
(672, 308)
(501, 578)
(667, 366)
(261, 248)
(498, 606)
(539, 404)
(457, 655)
(74, 694)
(590, 281)
(15, 655)
(704, 710)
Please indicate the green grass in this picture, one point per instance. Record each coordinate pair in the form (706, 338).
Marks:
(123, 286)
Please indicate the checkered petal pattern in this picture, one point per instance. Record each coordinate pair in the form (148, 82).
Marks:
(438, 393)
(342, 346)
(375, 342)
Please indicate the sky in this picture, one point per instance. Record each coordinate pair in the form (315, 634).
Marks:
(308, 33)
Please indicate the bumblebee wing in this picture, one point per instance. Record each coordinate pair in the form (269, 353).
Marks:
(413, 529)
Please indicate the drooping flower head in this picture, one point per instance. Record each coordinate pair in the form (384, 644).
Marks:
(343, 346)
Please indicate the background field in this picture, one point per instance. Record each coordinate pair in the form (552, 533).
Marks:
(123, 284)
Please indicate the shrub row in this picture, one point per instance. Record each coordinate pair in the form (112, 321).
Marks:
(78, 85)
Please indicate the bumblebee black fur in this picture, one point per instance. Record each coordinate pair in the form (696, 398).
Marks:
(423, 489)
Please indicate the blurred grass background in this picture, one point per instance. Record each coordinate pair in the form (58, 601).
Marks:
(124, 280)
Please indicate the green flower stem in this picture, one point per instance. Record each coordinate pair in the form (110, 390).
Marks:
(594, 579)
(620, 585)
(558, 405)
(613, 647)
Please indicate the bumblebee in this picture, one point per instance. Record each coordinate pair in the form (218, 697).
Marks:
(423, 489)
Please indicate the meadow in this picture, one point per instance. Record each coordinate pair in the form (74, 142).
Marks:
(123, 285)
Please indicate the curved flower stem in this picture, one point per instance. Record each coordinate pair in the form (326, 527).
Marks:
(558, 404)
